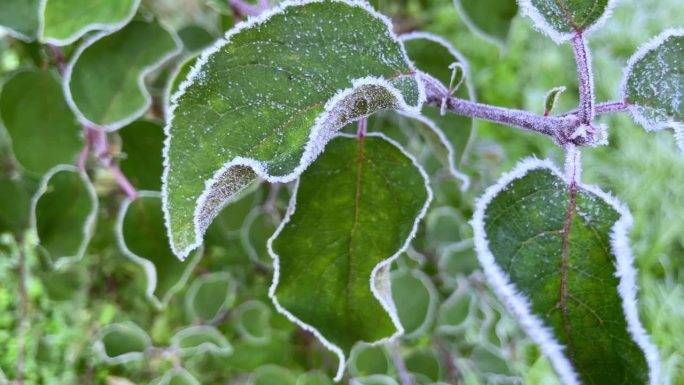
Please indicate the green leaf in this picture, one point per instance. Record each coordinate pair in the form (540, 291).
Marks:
(562, 19)
(424, 362)
(15, 205)
(579, 293)
(257, 228)
(142, 237)
(254, 322)
(551, 98)
(416, 299)
(179, 75)
(210, 296)
(357, 207)
(200, 339)
(490, 19)
(63, 213)
(366, 360)
(104, 82)
(195, 38)
(314, 378)
(121, 342)
(142, 143)
(653, 84)
(272, 374)
(43, 130)
(20, 18)
(265, 100)
(377, 379)
(64, 21)
(434, 55)
(176, 376)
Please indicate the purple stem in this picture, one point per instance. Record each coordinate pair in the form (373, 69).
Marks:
(586, 80)
(246, 9)
(602, 108)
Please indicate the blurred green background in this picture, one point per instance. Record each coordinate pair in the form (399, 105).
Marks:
(463, 333)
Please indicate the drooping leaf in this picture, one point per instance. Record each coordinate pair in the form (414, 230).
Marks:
(562, 263)
(20, 18)
(142, 143)
(200, 339)
(266, 99)
(356, 208)
(121, 342)
(561, 19)
(653, 84)
(142, 237)
(63, 214)
(490, 19)
(434, 55)
(416, 299)
(64, 21)
(43, 130)
(105, 78)
(210, 296)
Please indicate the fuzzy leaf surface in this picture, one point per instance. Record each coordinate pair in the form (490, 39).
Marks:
(561, 19)
(117, 64)
(64, 21)
(267, 99)
(490, 18)
(654, 84)
(356, 207)
(64, 230)
(520, 241)
(20, 17)
(44, 131)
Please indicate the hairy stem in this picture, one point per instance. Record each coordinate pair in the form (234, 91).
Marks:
(603, 108)
(584, 75)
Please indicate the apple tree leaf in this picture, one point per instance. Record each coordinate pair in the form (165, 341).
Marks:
(61, 22)
(64, 229)
(653, 84)
(142, 238)
(265, 100)
(562, 19)
(105, 79)
(560, 259)
(355, 211)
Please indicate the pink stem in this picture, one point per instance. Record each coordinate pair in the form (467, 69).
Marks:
(246, 9)
(602, 108)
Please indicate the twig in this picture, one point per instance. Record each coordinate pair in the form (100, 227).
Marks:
(585, 77)
(603, 108)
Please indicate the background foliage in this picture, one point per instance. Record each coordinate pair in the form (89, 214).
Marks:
(457, 331)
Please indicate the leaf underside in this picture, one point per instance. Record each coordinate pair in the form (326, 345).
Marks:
(566, 16)
(67, 20)
(355, 208)
(258, 96)
(104, 79)
(492, 18)
(43, 123)
(524, 226)
(654, 83)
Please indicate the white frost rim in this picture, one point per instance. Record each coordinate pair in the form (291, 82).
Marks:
(148, 267)
(476, 30)
(88, 226)
(542, 25)
(109, 27)
(520, 306)
(169, 85)
(318, 136)
(385, 299)
(466, 69)
(219, 344)
(432, 302)
(644, 50)
(195, 287)
(128, 326)
(140, 79)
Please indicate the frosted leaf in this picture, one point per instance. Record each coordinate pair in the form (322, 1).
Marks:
(551, 98)
(562, 19)
(265, 100)
(653, 84)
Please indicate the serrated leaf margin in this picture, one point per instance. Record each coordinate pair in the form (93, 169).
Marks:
(317, 134)
(148, 267)
(109, 27)
(384, 298)
(88, 226)
(140, 80)
(519, 305)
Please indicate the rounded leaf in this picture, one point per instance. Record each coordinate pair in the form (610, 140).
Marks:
(200, 339)
(416, 300)
(562, 19)
(210, 296)
(122, 342)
